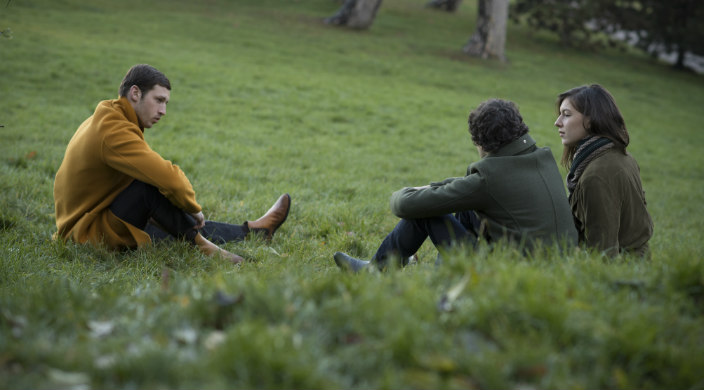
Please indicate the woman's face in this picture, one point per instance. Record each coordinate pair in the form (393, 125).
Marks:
(570, 124)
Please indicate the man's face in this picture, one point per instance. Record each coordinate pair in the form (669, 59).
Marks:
(150, 107)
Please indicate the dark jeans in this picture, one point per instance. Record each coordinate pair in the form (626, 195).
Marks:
(410, 234)
(142, 204)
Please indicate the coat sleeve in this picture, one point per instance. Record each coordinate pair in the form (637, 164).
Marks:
(599, 209)
(124, 149)
(444, 182)
(456, 194)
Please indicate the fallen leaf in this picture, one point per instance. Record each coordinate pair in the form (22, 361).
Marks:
(186, 336)
(214, 339)
(182, 300)
(100, 329)
(439, 363)
(448, 299)
(164, 279)
(18, 323)
(223, 300)
(68, 380)
(352, 338)
(224, 305)
(105, 361)
(532, 372)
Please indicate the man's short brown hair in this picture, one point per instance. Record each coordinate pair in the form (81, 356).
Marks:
(495, 123)
(145, 77)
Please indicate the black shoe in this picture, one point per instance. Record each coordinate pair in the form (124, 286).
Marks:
(346, 262)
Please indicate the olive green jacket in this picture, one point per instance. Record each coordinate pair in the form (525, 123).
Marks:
(609, 205)
(517, 191)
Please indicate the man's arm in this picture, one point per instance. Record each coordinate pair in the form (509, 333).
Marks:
(444, 182)
(127, 152)
(458, 194)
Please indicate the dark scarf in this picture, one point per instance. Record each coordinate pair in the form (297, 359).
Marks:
(588, 149)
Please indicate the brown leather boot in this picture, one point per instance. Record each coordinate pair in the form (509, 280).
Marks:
(273, 218)
(212, 250)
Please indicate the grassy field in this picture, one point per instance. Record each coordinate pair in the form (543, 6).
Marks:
(267, 99)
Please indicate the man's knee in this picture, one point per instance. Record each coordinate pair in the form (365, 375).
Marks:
(135, 204)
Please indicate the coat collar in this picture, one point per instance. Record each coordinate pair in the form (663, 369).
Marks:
(514, 147)
(129, 112)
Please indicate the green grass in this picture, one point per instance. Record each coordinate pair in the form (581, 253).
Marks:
(267, 99)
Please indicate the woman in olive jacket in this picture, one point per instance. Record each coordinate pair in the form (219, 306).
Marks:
(605, 190)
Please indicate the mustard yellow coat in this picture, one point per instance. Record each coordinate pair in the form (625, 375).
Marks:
(104, 156)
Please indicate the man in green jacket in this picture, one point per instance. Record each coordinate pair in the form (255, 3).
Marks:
(514, 193)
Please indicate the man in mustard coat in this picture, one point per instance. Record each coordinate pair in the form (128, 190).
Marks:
(112, 189)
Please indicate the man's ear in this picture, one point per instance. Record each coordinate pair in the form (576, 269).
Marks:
(134, 94)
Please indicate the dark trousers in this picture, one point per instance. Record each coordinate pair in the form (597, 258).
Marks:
(410, 234)
(143, 206)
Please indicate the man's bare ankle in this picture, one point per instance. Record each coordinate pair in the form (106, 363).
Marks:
(212, 250)
(233, 258)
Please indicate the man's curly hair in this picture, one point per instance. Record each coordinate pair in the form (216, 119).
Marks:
(495, 123)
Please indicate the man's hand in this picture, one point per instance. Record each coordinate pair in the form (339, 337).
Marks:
(200, 220)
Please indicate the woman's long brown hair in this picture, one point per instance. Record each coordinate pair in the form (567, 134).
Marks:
(600, 112)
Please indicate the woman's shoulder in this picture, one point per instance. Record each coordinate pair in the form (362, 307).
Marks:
(612, 159)
(610, 165)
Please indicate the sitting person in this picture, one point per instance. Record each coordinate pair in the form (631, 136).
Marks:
(606, 194)
(112, 189)
(513, 193)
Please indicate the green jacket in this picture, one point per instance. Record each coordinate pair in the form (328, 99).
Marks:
(609, 205)
(517, 191)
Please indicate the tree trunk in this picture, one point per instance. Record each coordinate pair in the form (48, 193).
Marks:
(489, 38)
(681, 53)
(447, 5)
(357, 14)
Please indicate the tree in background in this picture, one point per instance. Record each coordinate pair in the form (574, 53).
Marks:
(566, 18)
(656, 26)
(674, 26)
(358, 14)
(6, 33)
(487, 42)
(446, 5)
(489, 38)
